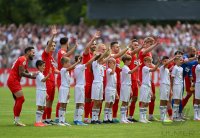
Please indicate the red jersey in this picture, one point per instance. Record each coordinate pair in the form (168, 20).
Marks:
(60, 54)
(88, 72)
(118, 69)
(141, 57)
(134, 75)
(21, 61)
(49, 64)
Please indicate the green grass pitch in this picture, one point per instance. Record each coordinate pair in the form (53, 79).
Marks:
(136, 130)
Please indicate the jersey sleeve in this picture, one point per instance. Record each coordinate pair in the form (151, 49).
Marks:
(22, 62)
(174, 72)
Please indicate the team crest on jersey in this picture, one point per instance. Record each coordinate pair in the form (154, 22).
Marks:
(62, 52)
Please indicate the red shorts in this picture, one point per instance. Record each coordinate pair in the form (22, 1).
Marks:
(88, 91)
(50, 90)
(14, 85)
(187, 84)
(134, 87)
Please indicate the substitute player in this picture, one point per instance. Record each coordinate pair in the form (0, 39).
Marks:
(40, 92)
(18, 70)
(63, 52)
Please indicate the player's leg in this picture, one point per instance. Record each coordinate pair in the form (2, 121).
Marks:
(58, 104)
(106, 112)
(152, 104)
(88, 103)
(115, 105)
(123, 111)
(39, 113)
(19, 100)
(142, 112)
(176, 109)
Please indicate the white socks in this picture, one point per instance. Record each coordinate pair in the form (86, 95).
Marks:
(106, 112)
(196, 111)
(123, 110)
(163, 110)
(143, 113)
(39, 116)
(61, 115)
(95, 114)
(175, 111)
(110, 114)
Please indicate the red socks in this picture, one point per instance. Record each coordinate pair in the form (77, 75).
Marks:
(169, 112)
(47, 113)
(87, 109)
(57, 109)
(185, 100)
(18, 105)
(151, 107)
(132, 108)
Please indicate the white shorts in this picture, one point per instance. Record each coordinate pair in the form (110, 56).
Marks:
(164, 92)
(79, 94)
(63, 94)
(145, 94)
(97, 91)
(41, 97)
(110, 95)
(177, 91)
(197, 90)
(125, 93)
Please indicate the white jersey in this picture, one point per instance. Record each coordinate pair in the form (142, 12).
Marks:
(39, 84)
(79, 74)
(197, 72)
(98, 71)
(125, 76)
(164, 75)
(146, 76)
(111, 79)
(177, 73)
(65, 77)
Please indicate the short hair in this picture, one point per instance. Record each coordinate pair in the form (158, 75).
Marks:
(111, 60)
(28, 49)
(39, 63)
(147, 39)
(178, 52)
(63, 40)
(77, 57)
(147, 58)
(52, 42)
(165, 57)
(64, 60)
(113, 43)
(126, 58)
(134, 40)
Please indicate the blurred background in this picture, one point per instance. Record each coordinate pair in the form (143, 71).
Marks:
(26, 23)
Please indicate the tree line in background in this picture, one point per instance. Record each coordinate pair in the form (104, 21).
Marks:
(42, 11)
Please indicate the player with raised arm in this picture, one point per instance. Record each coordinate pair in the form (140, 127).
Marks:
(64, 92)
(40, 92)
(62, 52)
(79, 89)
(19, 70)
(117, 54)
(146, 90)
(125, 90)
(47, 57)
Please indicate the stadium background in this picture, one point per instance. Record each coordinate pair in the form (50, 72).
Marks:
(175, 22)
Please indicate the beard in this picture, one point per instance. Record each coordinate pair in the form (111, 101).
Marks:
(30, 58)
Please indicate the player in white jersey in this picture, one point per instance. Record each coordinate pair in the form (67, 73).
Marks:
(145, 90)
(125, 90)
(165, 87)
(63, 96)
(79, 89)
(97, 85)
(177, 86)
(197, 92)
(110, 90)
(40, 92)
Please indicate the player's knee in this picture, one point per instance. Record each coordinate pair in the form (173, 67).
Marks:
(21, 99)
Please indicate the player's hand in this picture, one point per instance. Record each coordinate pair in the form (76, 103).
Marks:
(34, 74)
(97, 34)
(116, 96)
(53, 30)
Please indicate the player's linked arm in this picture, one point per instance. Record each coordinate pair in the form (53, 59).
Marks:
(48, 75)
(54, 32)
(121, 53)
(150, 48)
(74, 65)
(155, 67)
(134, 69)
(71, 51)
(25, 73)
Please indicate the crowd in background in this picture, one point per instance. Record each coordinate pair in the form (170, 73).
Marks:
(14, 39)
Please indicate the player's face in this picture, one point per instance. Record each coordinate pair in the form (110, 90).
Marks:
(135, 45)
(66, 64)
(128, 62)
(116, 48)
(192, 52)
(148, 43)
(53, 47)
(31, 54)
(101, 49)
(93, 47)
(148, 63)
(180, 61)
(164, 61)
(111, 64)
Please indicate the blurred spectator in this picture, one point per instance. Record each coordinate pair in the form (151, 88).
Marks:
(13, 39)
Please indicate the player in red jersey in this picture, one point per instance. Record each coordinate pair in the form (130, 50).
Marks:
(62, 52)
(50, 82)
(19, 69)
(116, 53)
(87, 55)
(149, 44)
(134, 50)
